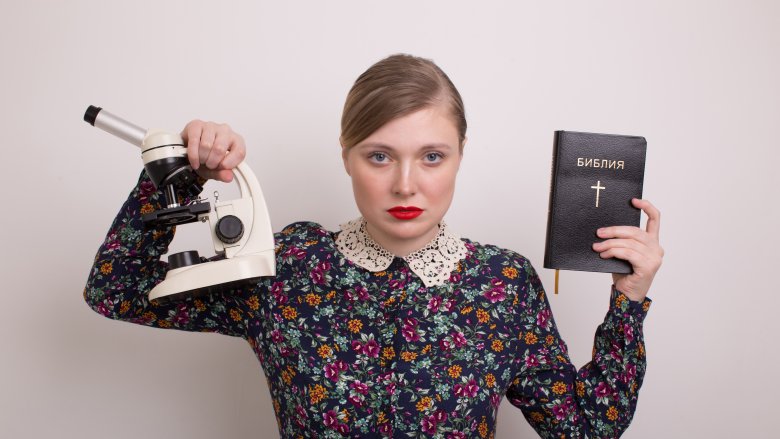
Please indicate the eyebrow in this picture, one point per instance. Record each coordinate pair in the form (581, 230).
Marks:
(426, 147)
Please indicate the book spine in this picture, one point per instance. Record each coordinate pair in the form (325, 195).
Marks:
(550, 210)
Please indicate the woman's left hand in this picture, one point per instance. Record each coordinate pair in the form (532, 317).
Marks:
(638, 247)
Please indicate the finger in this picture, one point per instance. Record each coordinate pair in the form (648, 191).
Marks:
(653, 216)
(236, 152)
(217, 174)
(207, 137)
(191, 137)
(626, 254)
(219, 149)
(632, 244)
(625, 232)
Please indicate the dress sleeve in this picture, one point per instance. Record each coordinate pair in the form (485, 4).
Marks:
(127, 266)
(599, 400)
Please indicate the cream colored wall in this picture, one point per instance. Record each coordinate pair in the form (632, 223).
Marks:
(698, 79)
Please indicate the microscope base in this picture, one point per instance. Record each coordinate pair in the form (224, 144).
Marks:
(216, 276)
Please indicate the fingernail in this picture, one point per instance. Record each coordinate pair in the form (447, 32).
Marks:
(600, 232)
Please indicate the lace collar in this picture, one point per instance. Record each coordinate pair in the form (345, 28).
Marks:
(432, 263)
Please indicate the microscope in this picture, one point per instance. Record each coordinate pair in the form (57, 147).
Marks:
(240, 229)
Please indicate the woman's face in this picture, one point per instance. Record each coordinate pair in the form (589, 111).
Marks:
(403, 177)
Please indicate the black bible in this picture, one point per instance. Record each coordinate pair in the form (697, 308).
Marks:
(594, 178)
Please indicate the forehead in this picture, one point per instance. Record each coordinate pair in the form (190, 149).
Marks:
(428, 126)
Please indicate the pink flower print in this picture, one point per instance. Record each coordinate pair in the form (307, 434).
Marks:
(560, 411)
(440, 416)
(145, 190)
(496, 293)
(429, 425)
(329, 419)
(543, 318)
(359, 387)
(277, 290)
(468, 390)
(181, 317)
(628, 332)
(434, 303)
(371, 348)
(409, 330)
(295, 252)
(459, 339)
(603, 390)
(531, 361)
(333, 370)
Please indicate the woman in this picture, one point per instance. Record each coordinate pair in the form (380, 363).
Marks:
(394, 324)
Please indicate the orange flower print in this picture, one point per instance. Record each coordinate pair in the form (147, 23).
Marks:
(317, 393)
(388, 353)
(253, 303)
(199, 305)
(612, 414)
(313, 299)
(497, 346)
(408, 356)
(124, 307)
(289, 313)
(509, 272)
(530, 338)
(482, 316)
(580, 389)
(325, 351)
(355, 325)
(454, 371)
(106, 268)
(482, 429)
(466, 310)
(235, 314)
(147, 208)
(490, 380)
(559, 388)
(424, 403)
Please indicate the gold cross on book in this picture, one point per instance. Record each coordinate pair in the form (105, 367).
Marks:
(598, 188)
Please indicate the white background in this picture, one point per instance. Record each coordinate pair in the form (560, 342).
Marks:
(698, 79)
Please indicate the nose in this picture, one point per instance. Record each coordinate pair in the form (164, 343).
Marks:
(404, 183)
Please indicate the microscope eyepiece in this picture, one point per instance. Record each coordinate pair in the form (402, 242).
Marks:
(91, 114)
(112, 124)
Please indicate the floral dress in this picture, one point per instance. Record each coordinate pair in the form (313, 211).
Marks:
(355, 342)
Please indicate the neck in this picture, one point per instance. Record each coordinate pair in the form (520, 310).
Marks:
(401, 247)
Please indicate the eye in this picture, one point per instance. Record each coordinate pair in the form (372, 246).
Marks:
(433, 157)
(378, 157)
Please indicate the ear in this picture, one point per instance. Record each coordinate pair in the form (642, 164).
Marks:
(460, 150)
(344, 156)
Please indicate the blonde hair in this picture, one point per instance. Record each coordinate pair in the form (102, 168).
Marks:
(393, 87)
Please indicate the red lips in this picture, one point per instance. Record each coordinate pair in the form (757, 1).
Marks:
(405, 212)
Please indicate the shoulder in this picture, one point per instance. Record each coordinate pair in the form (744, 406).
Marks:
(303, 239)
(506, 262)
(302, 231)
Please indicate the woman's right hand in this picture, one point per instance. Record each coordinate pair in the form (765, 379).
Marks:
(213, 149)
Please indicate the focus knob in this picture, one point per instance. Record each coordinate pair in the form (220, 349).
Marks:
(229, 229)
